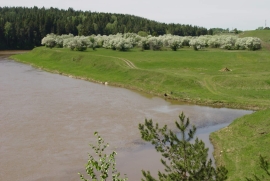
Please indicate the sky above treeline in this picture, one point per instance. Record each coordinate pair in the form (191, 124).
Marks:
(240, 14)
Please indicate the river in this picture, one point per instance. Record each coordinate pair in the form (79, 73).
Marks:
(47, 122)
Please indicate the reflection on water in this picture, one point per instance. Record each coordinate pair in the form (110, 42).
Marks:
(48, 120)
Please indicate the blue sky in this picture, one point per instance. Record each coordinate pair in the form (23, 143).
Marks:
(240, 14)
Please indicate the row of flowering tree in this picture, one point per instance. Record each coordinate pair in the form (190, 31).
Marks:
(124, 42)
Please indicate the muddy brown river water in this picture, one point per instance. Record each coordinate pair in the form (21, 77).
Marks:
(47, 122)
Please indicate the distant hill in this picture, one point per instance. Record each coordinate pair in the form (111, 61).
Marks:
(23, 28)
(264, 35)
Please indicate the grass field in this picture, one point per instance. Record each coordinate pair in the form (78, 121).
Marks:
(186, 75)
(264, 35)
(239, 145)
(191, 76)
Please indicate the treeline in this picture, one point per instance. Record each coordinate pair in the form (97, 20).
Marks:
(23, 28)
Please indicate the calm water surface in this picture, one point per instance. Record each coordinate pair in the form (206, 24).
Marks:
(47, 122)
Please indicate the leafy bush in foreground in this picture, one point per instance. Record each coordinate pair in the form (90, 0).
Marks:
(182, 159)
(102, 164)
(187, 161)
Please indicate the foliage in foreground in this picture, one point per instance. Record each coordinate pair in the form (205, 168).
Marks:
(102, 165)
(183, 160)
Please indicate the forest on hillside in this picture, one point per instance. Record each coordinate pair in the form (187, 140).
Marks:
(23, 28)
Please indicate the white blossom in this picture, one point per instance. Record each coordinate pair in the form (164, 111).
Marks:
(155, 43)
(124, 42)
(78, 43)
(228, 42)
(197, 43)
(49, 40)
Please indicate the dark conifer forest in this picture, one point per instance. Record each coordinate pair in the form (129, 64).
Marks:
(23, 28)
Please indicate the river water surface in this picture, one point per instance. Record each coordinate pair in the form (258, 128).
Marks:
(47, 122)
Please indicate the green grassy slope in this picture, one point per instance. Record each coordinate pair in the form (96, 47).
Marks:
(186, 75)
(191, 76)
(264, 35)
(239, 145)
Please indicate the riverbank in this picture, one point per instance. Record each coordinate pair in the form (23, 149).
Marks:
(239, 145)
(185, 75)
(51, 120)
(12, 52)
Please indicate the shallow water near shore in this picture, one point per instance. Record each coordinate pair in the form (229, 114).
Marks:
(47, 122)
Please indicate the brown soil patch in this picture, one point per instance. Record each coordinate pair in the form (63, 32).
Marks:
(11, 52)
(7, 53)
(225, 70)
(266, 45)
